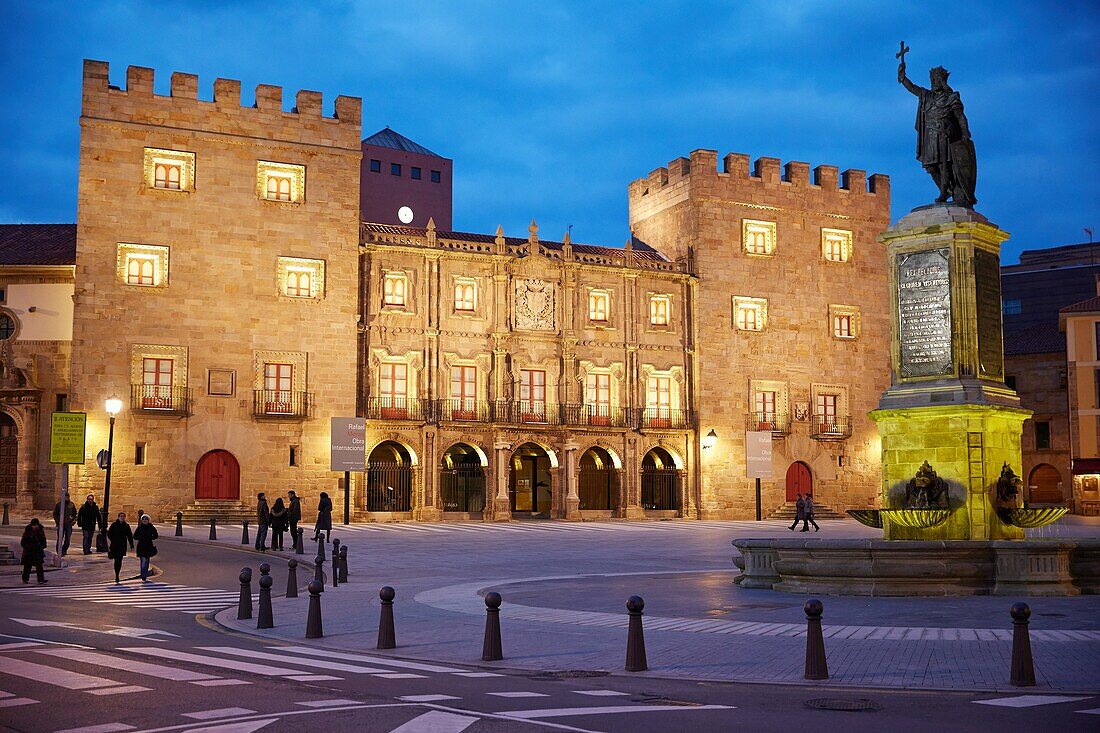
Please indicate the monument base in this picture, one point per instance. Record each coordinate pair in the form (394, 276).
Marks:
(967, 445)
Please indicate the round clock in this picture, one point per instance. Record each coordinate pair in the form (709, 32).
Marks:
(405, 214)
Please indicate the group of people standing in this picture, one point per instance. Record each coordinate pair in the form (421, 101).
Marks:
(804, 512)
(282, 516)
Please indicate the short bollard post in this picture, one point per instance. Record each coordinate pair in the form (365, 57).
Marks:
(313, 618)
(244, 605)
(244, 533)
(491, 649)
(300, 549)
(344, 564)
(213, 528)
(179, 524)
(335, 563)
(816, 666)
(5, 520)
(635, 643)
(387, 636)
(292, 578)
(318, 572)
(265, 618)
(1023, 666)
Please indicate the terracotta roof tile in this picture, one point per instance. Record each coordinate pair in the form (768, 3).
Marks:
(1085, 306)
(37, 244)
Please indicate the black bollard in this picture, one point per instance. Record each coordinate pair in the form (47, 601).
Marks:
(1022, 673)
(635, 643)
(5, 520)
(292, 578)
(244, 605)
(213, 528)
(318, 572)
(344, 564)
(265, 619)
(313, 618)
(491, 650)
(387, 637)
(300, 549)
(335, 563)
(244, 533)
(816, 666)
(179, 524)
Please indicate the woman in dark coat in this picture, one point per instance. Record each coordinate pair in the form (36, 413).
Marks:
(277, 517)
(119, 537)
(324, 518)
(144, 536)
(33, 543)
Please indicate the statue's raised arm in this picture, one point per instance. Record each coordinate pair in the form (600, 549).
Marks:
(944, 146)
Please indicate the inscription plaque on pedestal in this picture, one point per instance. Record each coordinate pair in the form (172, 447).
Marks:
(987, 284)
(924, 313)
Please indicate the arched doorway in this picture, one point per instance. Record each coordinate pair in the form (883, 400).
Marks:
(799, 480)
(598, 481)
(660, 481)
(462, 480)
(1045, 485)
(9, 456)
(389, 478)
(218, 477)
(529, 482)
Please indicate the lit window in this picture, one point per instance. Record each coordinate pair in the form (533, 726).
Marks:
(156, 384)
(598, 306)
(758, 237)
(463, 392)
(532, 395)
(750, 314)
(836, 245)
(143, 265)
(825, 410)
(278, 389)
(844, 321)
(842, 326)
(169, 170)
(658, 310)
(284, 182)
(302, 278)
(1012, 307)
(765, 409)
(598, 399)
(658, 402)
(393, 382)
(394, 287)
(465, 295)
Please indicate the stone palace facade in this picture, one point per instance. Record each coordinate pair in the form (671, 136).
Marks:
(225, 287)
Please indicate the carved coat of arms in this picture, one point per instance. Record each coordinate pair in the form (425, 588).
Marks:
(534, 305)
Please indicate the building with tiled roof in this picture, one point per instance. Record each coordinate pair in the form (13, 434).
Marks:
(37, 244)
(403, 183)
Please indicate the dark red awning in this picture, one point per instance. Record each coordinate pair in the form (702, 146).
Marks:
(1083, 466)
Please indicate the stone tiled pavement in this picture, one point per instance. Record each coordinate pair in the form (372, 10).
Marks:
(598, 564)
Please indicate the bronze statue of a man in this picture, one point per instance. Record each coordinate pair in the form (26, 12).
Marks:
(944, 146)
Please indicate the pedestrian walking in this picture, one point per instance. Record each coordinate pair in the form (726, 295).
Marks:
(799, 512)
(70, 519)
(324, 518)
(89, 520)
(119, 538)
(809, 515)
(278, 523)
(293, 516)
(33, 543)
(263, 519)
(144, 536)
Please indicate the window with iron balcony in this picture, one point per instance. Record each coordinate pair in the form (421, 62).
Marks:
(598, 399)
(532, 396)
(658, 402)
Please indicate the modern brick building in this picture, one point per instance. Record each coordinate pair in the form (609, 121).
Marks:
(404, 183)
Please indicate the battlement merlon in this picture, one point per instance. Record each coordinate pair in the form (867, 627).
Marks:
(138, 103)
(737, 180)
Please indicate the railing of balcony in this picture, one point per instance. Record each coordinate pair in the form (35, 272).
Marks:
(526, 412)
(284, 404)
(830, 427)
(463, 410)
(398, 408)
(664, 418)
(154, 399)
(595, 415)
(777, 422)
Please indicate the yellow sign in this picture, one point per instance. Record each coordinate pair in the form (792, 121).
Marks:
(67, 437)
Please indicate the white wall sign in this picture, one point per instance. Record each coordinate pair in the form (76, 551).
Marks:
(758, 453)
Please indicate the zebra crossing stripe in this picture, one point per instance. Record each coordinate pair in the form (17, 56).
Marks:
(386, 661)
(105, 660)
(52, 675)
(157, 596)
(208, 661)
(323, 664)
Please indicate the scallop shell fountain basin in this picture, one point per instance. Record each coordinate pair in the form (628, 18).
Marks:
(916, 518)
(866, 517)
(1030, 518)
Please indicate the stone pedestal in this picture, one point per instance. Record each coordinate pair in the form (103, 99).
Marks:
(502, 510)
(948, 403)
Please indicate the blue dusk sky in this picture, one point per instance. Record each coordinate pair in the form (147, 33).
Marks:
(550, 109)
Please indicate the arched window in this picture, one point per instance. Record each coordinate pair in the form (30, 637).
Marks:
(7, 327)
(298, 284)
(141, 271)
(167, 176)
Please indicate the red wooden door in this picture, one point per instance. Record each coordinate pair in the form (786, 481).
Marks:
(799, 481)
(218, 476)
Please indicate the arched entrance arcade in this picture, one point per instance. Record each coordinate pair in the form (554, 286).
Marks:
(9, 458)
(598, 481)
(389, 478)
(462, 480)
(660, 481)
(530, 483)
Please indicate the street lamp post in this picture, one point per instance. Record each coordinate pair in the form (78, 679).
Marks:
(113, 406)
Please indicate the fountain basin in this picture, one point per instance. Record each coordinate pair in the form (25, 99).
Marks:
(866, 517)
(1029, 518)
(916, 518)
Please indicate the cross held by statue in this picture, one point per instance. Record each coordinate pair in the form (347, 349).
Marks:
(902, 50)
